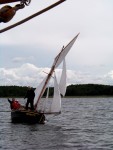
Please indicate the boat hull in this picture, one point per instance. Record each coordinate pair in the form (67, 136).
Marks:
(19, 116)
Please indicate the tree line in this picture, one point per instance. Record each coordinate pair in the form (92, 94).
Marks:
(89, 90)
(72, 90)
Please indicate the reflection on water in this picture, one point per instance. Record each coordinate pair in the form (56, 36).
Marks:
(85, 124)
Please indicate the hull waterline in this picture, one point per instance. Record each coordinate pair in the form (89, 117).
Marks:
(24, 116)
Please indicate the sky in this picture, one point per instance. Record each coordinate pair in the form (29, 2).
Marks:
(29, 49)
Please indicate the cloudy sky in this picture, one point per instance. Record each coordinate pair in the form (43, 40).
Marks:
(28, 50)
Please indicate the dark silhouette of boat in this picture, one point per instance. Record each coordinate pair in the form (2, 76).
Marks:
(27, 116)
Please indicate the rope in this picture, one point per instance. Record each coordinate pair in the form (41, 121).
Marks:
(26, 2)
(32, 16)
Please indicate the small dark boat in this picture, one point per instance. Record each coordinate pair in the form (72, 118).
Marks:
(20, 115)
(27, 116)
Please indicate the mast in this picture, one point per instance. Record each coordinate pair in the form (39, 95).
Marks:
(55, 64)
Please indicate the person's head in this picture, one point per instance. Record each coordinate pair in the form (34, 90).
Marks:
(13, 99)
(29, 87)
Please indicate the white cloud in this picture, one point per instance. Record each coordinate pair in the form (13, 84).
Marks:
(30, 75)
(22, 59)
(25, 75)
(37, 42)
(109, 77)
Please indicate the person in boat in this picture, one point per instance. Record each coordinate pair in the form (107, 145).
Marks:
(14, 104)
(7, 12)
(30, 98)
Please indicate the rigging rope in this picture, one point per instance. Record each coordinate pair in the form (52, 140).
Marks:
(26, 2)
(32, 16)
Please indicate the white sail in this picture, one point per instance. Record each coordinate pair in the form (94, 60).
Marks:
(56, 104)
(62, 84)
(59, 58)
(38, 90)
(46, 100)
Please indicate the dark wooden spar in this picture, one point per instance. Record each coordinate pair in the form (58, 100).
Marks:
(8, 1)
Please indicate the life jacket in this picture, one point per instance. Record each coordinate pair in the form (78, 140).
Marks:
(15, 105)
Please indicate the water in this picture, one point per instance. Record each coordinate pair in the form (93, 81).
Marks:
(85, 124)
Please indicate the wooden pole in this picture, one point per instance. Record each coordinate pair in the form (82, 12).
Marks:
(32, 16)
(8, 1)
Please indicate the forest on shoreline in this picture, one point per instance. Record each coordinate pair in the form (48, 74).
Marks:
(72, 90)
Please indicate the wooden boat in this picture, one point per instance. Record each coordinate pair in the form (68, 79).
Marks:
(42, 105)
(19, 114)
(27, 116)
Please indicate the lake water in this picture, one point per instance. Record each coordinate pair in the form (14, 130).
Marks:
(84, 124)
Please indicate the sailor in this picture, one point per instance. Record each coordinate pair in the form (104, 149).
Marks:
(14, 104)
(30, 98)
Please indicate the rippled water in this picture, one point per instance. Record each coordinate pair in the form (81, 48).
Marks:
(85, 124)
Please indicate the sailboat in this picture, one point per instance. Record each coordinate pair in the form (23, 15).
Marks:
(42, 106)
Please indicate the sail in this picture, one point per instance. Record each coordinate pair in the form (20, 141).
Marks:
(45, 102)
(62, 84)
(38, 90)
(59, 58)
(56, 104)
